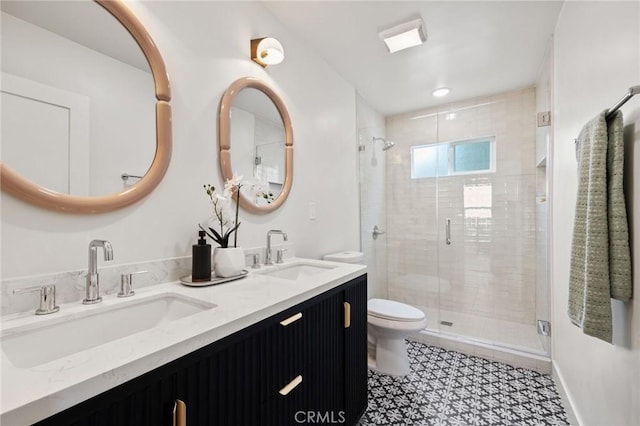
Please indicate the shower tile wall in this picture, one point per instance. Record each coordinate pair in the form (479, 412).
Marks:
(489, 269)
(372, 196)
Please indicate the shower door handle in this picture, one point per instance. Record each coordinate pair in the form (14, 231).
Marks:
(448, 232)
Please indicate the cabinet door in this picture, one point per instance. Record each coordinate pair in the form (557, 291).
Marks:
(229, 383)
(324, 361)
(355, 350)
(335, 373)
(147, 400)
(215, 387)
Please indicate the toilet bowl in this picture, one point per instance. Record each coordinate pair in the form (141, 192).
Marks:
(389, 323)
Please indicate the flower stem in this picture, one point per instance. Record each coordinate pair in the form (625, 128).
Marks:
(235, 236)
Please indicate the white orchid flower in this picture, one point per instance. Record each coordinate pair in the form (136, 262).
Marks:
(231, 184)
(220, 229)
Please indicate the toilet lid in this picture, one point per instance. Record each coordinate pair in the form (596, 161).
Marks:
(389, 309)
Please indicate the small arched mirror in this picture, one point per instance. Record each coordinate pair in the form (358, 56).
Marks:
(86, 118)
(253, 120)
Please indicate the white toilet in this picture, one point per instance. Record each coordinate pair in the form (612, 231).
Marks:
(389, 323)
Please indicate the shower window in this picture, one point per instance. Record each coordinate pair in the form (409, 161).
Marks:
(453, 158)
(429, 161)
(472, 156)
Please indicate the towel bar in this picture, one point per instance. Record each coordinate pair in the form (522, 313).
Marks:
(633, 90)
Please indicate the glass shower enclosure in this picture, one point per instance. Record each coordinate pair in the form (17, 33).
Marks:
(459, 200)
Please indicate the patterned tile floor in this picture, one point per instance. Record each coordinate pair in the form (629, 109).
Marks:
(450, 388)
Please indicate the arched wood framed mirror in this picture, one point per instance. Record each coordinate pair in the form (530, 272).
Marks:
(254, 120)
(26, 189)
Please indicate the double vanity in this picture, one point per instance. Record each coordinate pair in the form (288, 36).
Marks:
(286, 342)
(285, 345)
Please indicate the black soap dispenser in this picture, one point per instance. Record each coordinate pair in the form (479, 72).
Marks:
(201, 260)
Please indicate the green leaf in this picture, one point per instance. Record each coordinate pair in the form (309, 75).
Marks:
(218, 236)
(217, 240)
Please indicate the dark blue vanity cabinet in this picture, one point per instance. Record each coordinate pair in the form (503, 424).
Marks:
(305, 365)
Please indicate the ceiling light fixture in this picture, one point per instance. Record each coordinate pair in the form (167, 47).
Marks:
(403, 36)
(266, 51)
(441, 91)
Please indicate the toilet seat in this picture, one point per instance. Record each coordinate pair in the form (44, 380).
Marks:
(390, 324)
(394, 311)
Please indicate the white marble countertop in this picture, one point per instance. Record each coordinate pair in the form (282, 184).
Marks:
(32, 394)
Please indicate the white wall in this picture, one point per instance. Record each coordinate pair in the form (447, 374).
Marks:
(597, 58)
(206, 47)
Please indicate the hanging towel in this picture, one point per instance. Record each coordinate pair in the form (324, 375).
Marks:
(600, 259)
(619, 251)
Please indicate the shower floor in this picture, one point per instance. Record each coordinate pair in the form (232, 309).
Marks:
(512, 335)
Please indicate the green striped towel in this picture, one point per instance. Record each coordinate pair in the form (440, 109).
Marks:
(600, 255)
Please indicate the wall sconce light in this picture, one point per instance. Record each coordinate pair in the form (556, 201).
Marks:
(403, 36)
(266, 51)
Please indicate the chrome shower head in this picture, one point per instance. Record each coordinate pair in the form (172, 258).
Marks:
(386, 144)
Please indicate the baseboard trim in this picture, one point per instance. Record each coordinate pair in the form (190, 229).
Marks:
(517, 358)
(572, 416)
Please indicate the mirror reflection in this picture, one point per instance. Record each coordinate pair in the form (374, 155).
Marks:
(78, 104)
(255, 140)
(258, 140)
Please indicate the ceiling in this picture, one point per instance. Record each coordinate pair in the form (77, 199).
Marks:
(476, 48)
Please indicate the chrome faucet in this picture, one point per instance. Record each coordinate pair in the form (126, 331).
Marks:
(267, 258)
(93, 283)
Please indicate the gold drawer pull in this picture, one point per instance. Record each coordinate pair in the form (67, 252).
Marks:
(292, 384)
(291, 319)
(179, 413)
(347, 315)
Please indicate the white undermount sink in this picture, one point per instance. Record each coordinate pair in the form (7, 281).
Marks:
(296, 271)
(61, 336)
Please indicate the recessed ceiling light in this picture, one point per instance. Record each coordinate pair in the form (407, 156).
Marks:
(440, 92)
(403, 36)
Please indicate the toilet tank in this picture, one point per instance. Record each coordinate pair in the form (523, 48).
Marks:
(346, 257)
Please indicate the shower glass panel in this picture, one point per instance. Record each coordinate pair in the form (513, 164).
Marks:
(413, 234)
(466, 171)
(372, 162)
